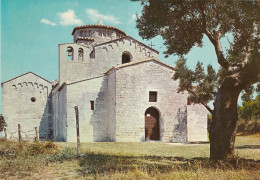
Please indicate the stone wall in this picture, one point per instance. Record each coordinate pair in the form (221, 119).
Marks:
(93, 123)
(25, 101)
(133, 84)
(100, 35)
(105, 56)
(197, 123)
(59, 107)
(111, 100)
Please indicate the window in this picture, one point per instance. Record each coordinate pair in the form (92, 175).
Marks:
(92, 105)
(80, 54)
(188, 102)
(152, 96)
(33, 99)
(126, 57)
(69, 53)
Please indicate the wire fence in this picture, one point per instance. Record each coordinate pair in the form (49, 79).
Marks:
(20, 134)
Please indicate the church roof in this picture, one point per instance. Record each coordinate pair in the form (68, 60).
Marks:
(97, 26)
(139, 62)
(114, 40)
(23, 75)
(84, 38)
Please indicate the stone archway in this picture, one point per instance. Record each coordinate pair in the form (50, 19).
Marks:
(152, 124)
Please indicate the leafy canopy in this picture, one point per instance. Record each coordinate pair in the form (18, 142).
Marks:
(182, 25)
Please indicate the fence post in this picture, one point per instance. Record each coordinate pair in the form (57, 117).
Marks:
(19, 133)
(5, 134)
(77, 127)
(36, 134)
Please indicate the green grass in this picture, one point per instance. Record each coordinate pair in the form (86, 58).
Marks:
(109, 160)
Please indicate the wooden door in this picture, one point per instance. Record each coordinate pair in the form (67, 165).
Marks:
(152, 124)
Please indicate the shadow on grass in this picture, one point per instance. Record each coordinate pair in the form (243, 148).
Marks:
(92, 163)
(248, 147)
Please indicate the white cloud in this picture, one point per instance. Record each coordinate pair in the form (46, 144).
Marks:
(132, 19)
(46, 21)
(94, 15)
(68, 18)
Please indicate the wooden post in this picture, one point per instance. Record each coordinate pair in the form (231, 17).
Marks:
(77, 127)
(36, 134)
(5, 134)
(19, 133)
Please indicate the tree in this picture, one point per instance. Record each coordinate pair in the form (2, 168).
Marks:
(250, 109)
(182, 25)
(2, 122)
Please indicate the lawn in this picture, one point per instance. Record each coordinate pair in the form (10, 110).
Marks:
(109, 160)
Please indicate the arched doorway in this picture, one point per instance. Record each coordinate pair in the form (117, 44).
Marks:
(152, 125)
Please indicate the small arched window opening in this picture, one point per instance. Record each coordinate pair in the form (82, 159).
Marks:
(126, 57)
(69, 53)
(80, 54)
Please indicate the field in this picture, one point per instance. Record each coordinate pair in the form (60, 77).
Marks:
(108, 160)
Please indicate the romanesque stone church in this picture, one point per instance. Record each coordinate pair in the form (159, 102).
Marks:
(123, 92)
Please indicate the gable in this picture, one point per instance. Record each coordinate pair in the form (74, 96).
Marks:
(138, 43)
(30, 74)
(140, 63)
(27, 78)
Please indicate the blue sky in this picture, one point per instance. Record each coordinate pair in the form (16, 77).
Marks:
(32, 29)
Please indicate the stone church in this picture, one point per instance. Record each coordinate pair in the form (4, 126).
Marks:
(123, 92)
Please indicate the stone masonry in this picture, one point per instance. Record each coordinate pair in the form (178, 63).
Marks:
(119, 86)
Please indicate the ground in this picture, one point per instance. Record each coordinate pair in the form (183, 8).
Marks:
(111, 160)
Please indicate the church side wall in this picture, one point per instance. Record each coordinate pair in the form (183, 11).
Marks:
(93, 123)
(197, 123)
(133, 84)
(25, 101)
(59, 108)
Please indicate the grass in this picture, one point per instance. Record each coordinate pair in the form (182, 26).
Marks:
(109, 160)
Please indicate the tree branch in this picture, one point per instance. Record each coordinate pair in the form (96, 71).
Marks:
(206, 106)
(215, 40)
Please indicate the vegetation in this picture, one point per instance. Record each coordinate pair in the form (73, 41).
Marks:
(108, 160)
(249, 112)
(2, 122)
(182, 25)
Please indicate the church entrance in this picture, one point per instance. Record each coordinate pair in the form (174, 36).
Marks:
(152, 128)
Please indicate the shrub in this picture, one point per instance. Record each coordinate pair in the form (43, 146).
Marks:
(41, 147)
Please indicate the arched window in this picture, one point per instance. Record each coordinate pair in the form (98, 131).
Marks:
(69, 53)
(126, 57)
(80, 54)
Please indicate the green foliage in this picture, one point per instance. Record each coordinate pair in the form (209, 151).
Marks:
(249, 112)
(201, 85)
(180, 23)
(37, 148)
(182, 26)
(63, 155)
(2, 122)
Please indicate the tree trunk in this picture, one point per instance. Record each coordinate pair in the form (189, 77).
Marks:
(224, 120)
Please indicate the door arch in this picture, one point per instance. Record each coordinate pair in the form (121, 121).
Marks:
(152, 124)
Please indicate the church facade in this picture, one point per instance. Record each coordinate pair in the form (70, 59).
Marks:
(123, 93)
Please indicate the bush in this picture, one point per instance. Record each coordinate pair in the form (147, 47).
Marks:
(248, 127)
(41, 148)
(65, 154)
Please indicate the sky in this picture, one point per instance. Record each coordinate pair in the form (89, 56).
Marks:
(32, 29)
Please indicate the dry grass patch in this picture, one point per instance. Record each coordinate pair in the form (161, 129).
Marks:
(46, 160)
